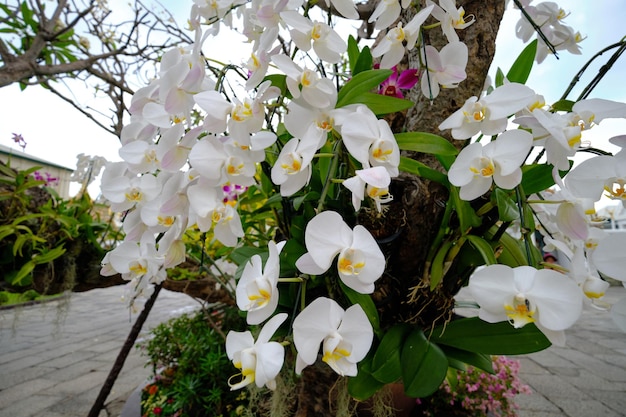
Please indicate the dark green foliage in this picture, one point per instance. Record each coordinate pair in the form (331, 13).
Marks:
(190, 366)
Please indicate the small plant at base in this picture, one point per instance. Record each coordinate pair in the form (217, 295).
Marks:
(477, 393)
(188, 359)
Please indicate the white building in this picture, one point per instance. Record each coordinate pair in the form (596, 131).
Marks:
(20, 160)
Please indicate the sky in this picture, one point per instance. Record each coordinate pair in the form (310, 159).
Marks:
(56, 132)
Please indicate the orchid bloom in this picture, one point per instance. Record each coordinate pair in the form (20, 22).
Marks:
(477, 167)
(257, 290)
(445, 68)
(608, 257)
(387, 12)
(375, 181)
(292, 169)
(345, 336)
(602, 173)
(327, 43)
(451, 18)
(404, 80)
(306, 83)
(360, 262)
(260, 361)
(370, 141)
(400, 39)
(488, 114)
(525, 295)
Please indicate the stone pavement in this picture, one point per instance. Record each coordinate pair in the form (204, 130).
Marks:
(55, 356)
(587, 377)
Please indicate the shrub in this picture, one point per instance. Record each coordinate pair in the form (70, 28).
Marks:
(189, 362)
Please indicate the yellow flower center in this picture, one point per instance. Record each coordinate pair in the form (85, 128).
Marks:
(166, 221)
(350, 262)
(138, 269)
(134, 195)
(292, 163)
(242, 112)
(485, 167)
(521, 312)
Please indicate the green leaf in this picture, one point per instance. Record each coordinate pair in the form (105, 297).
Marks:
(499, 77)
(424, 365)
(243, 254)
(23, 275)
(511, 250)
(474, 335)
(364, 62)
(364, 385)
(467, 215)
(386, 366)
(520, 70)
(366, 303)
(459, 359)
(538, 177)
(422, 170)
(563, 105)
(484, 248)
(361, 83)
(49, 256)
(425, 143)
(507, 209)
(380, 104)
(438, 267)
(353, 53)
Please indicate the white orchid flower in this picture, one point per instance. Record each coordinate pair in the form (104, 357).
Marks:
(370, 140)
(608, 257)
(260, 361)
(400, 39)
(257, 289)
(292, 169)
(346, 8)
(525, 295)
(477, 167)
(134, 260)
(345, 336)
(387, 12)
(317, 91)
(375, 181)
(220, 163)
(451, 18)
(488, 114)
(360, 262)
(126, 190)
(445, 68)
(327, 43)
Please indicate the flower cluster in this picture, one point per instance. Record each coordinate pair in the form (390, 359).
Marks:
(294, 142)
(47, 178)
(480, 393)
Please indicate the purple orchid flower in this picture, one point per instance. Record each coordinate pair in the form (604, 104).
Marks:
(398, 81)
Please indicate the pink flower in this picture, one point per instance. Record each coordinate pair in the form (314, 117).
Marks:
(397, 81)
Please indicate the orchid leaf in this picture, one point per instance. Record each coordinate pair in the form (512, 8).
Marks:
(425, 143)
(386, 366)
(424, 365)
(422, 170)
(520, 70)
(484, 249)
(380, 104)
(475, 335)
(507, 209)
(361, 83)
(364, 385)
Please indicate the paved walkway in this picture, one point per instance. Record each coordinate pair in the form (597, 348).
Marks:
(54, 357)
